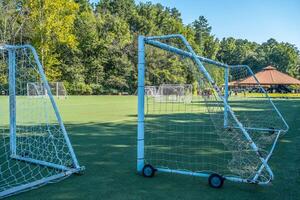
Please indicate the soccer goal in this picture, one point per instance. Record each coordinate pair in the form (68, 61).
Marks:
(150, 91)
(180, 93)
(38, 89)
(35, 148)
(227, 132)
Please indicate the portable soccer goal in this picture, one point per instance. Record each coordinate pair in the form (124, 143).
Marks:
(35, 148)
(150, 91)
(227, 132)
(38, 89)
(180, 93)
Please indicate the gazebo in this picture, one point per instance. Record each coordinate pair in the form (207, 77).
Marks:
(269, 77)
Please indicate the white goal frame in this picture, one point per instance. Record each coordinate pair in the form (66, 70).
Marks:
(62, 171)
(176, 93)
(37, 89)
(155, 41)
(151, 91)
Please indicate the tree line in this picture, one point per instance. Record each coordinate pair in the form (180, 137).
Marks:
(92, 48)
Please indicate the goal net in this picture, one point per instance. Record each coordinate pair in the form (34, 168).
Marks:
(35, 148)
(180, 93)
(38, 89)
(150, 91)
(229, 128)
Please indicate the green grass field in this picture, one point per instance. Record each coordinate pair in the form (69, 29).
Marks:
(103, 132)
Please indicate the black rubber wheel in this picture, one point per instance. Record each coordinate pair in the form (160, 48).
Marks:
(215, 181)
(272, 130)
(229, 129)
(148, 171)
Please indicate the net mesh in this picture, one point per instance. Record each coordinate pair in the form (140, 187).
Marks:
(174, 93)
(151, 91)
(194, 136)
(39, 137)
(38, 89)
(58, 89)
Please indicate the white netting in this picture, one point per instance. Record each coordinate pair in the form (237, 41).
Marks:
(245, 92)
(196, 136)
(38, 89)
(174, 93)
(39, 136)
(58, 89)
(150, 91)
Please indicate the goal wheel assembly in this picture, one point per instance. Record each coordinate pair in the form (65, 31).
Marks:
(148, 171)
(215, 181)
(272, 130)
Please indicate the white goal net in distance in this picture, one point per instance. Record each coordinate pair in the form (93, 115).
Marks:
(220, 131)
(38, 89)
(151, 91)
(34, 145)
(180, 93)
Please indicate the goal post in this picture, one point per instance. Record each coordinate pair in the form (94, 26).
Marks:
(35, 148)
(151, 91)
(215, 135)
(12, 101)
(58, 89)
(37, 89)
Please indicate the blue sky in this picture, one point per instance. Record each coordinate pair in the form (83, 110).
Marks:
(255, 20)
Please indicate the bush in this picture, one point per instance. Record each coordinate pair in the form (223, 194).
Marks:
(79, 89)
(97, 89)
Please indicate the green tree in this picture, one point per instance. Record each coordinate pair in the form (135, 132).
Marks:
(283, 56)
(94, 49)
(51, 24)
(12, 20)
(115, 38)
(208, 45)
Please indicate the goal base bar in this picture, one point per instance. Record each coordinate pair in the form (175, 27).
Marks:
(40, 162)
(38, 183)
(207, 174)
(259, 129)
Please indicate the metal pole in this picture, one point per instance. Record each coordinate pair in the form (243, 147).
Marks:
(226, 97)
(181, 52)
(12, 100)
(141, 91)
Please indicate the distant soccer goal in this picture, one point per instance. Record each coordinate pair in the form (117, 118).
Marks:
(34, 148)
(228, 131)
(180, 93)
(151, 91)
(38, 89)
(58, 89)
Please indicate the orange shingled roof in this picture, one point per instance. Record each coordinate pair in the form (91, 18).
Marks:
(268, 76)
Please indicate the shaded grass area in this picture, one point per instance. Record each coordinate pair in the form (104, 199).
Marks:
(103, 132)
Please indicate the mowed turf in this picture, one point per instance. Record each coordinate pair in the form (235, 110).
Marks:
(103, 132)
